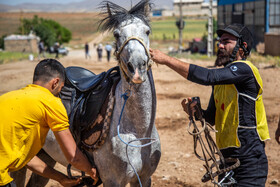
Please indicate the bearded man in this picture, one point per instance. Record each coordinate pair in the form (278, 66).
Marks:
(236, 106)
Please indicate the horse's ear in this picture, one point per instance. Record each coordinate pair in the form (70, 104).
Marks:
(109, 10)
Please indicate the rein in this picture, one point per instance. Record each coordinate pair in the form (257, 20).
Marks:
(125, 96)
(209, 152)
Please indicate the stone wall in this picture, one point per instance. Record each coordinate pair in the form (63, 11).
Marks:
(26, 45)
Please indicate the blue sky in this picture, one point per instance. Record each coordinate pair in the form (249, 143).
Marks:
(15, 2)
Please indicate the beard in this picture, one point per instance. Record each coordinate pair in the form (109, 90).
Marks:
(223, 58)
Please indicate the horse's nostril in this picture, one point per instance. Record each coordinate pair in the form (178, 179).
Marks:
(144, 63)
(130, 67)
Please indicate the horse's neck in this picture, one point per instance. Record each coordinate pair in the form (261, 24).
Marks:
(138, 112)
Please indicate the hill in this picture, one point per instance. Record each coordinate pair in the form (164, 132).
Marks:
(83, 6)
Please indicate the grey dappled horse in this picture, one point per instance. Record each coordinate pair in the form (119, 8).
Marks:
(131, 30)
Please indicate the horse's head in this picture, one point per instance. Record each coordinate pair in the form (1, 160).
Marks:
(131, 30)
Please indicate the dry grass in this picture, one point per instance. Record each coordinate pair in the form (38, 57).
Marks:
(82, 25)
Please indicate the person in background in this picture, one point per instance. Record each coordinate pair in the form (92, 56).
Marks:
(41, 49)
(108, 49)
(56, 47)
(26, 116)
(99, 52)
(236, 106)
(87, 50)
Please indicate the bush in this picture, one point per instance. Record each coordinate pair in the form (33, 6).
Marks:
(2, 46)
(48, 30)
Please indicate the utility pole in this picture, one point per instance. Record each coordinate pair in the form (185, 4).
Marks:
(180, 28)
(210, 30)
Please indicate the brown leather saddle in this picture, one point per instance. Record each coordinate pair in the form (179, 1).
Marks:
(85, 96)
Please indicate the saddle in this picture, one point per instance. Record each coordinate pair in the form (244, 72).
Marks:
(85, 96)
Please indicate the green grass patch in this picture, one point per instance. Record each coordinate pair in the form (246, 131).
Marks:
(255, 58)
(7, 57)
(167, 30)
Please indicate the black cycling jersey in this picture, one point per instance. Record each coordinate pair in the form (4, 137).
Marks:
(241, 75)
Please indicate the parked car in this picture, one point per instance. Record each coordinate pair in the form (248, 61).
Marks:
(61, 50)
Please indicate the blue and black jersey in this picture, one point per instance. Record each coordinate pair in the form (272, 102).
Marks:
(241, 75)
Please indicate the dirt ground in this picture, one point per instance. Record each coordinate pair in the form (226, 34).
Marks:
(178, 165)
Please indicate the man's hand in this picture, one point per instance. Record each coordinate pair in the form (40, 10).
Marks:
(93, 174)
(277, 133)
(158, 56)
(189, 105)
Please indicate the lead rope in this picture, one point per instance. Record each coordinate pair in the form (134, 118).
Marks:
(209, 153)
(125, 96)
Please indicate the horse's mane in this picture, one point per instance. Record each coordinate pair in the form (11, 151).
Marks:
(115, 14)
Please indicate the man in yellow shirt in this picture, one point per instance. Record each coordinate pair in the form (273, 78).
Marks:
(26, 117)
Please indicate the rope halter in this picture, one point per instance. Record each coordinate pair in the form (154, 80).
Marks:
(118, 52)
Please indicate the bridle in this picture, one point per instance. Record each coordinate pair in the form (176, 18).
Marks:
(119, 50)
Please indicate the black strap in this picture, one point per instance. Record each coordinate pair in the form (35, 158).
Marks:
(234, 52)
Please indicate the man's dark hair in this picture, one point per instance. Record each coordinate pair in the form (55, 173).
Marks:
(48, 69)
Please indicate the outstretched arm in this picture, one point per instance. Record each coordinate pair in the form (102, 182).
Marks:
(180, 67)
(72, 153)
(41, 168)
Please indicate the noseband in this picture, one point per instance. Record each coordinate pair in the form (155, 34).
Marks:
(118, 52)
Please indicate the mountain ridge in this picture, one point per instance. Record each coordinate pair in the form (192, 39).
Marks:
(83, 6)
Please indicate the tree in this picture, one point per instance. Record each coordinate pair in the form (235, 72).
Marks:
(2, 46)
(48, 30)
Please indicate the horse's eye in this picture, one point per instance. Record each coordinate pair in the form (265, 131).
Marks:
(148, 32)
(116, 35)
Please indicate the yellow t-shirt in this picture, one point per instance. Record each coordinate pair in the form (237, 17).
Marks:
(26, 115)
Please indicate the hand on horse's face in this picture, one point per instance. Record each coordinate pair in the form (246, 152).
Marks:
(158, 56)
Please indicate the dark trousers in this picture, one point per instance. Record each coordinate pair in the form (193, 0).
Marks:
(11, 184)
(108, 56)
(252, 171)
